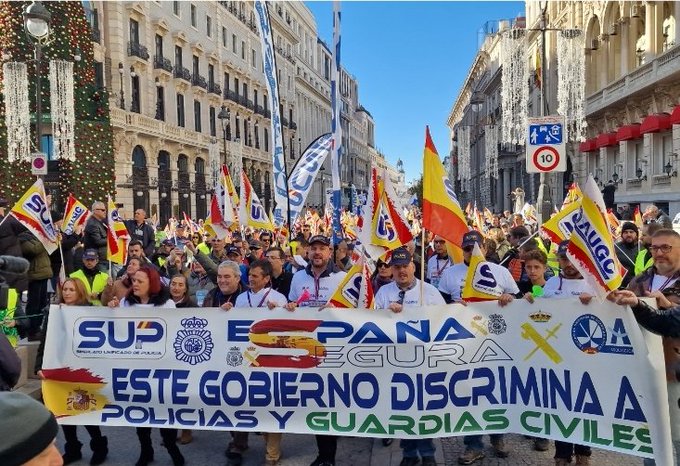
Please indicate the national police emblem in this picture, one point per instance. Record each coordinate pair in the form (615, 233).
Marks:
(497, 324)
(193, 343)
(234, 356)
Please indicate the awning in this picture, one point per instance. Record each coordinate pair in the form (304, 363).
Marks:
(655, 123)
(588, 145)
(675, 116)
(606, 140)
(628, 132)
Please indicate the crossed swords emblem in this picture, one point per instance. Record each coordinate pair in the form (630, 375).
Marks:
(530, 333)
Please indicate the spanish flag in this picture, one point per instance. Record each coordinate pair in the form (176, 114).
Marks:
(478, 286)
(442, 214)
(69, 392)
(637, 218)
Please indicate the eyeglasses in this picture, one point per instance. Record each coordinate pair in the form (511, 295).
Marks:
(383, 265)
(664, 248)
(402, 293)
(100, 209)
(255, 249)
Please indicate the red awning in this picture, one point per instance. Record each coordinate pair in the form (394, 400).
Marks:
(606, 140)
(588, 145)
(628, 132)
(675, 116)
(655, 123)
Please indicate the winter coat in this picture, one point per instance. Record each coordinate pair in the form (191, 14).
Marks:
(34, 251)
(10, 365)
(94, 237)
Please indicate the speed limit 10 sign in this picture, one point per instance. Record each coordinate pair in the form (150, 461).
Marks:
(545, 147)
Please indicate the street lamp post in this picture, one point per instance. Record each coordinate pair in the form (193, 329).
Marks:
(544, 201)
(37, 26)
(121, 70)
(225, 116)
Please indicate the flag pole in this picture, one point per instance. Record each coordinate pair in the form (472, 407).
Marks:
(521, 244)
(422, 265)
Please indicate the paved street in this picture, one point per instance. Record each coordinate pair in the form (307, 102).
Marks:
(300, 450)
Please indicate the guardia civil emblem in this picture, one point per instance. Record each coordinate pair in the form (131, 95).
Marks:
(497, 324)
(193, 344)
(234, 357)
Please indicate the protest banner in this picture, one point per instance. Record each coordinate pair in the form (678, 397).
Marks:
(554, 369)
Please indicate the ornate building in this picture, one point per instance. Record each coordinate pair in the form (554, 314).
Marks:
(188, 93)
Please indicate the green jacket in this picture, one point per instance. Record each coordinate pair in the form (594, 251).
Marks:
(640, 263)
(34, 251)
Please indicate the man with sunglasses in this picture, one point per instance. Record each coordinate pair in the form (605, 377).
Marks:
(438, 263)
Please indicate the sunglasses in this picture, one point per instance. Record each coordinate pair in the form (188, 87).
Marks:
(255, 249)
(402, 293)
(383, 265)
(468, 248)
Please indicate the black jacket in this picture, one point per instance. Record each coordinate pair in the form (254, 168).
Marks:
(94, 237)
(143, 233)
(10, 365)
(665, 322)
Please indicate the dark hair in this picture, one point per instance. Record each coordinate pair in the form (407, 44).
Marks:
(277, 249)
(186, 282)
(519, 231)
(650, 229)
(135, 242)
(263, 265)
(665, 232)
(158, 294)
(535, 255)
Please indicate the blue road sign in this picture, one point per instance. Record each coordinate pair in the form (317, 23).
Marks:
(541, 135)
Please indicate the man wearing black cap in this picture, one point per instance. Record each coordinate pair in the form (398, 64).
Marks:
(627, 250)
(28, 432)
(90, 276)
(451, 287)
(313, 287)
(404, 290)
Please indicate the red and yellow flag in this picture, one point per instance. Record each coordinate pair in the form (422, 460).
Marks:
(117, 236)
(442, 214)
(637, 218)
(69, 392)
(614, 223)
(32, 212)
(75, 214)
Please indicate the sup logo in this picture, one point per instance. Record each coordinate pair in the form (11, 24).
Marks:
(591, 336)
(385, 228)
(120, 337)
(257, 212)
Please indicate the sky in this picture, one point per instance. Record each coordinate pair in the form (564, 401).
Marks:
(410, 60)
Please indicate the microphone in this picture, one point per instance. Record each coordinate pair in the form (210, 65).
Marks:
(13, 264)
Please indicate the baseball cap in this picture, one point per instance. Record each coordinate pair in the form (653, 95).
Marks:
(233, 250)
(4, 202)
(319, 239)
(255, 244)
(167, 242)
(471, 238)
(90, 254)
(562, 248)
(400, 256)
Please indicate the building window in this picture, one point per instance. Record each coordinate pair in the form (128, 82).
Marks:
(180, 110)
(98, 75)
(213, 125)
(266, 140)
(197, 116)
(326, 67)
(159, 46)
(233, 43)
(243, 50)
(255, 97)
(135, 105)
(175, 8)
(236, 86)
(253, 56)
(178, 57)
(265, 102)
(134, 31)
(211, 75)
(245, 90)
(224, 36)
(208, 26)
(160, 103)
(195, 66)
(194, 22)
(226, 83)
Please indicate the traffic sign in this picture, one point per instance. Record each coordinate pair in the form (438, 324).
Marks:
(38, 163)
(545, 151)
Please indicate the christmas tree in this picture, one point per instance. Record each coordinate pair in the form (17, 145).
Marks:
(91, 176)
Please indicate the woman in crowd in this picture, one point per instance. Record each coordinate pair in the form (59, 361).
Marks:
(121, 286)
(382, 275)
(73, 293)
(147, 291)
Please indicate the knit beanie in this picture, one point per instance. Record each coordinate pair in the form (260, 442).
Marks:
(629, 226)
(27, 428)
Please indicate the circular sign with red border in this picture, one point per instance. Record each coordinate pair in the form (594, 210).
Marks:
(546, 158)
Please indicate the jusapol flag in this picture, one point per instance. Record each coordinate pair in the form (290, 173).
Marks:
(252, 212)
(32, 212)
(480, 284)
(75, 214)
(591, 247)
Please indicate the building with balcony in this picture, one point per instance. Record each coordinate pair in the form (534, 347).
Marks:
(633, 92)
(186, 81)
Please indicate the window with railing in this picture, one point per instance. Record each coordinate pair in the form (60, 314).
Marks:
(159, 46)
(197, 116)
(180, 110)
(195, 66)
(213, 122)
(266, 140)
(178, 56)
(134, 31)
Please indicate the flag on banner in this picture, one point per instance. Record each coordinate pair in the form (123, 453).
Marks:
(591, 247)
(480, 283)
(559, 226)
(573, 195)
(442, 214)
(75, 214)
(117, 236)
(614, 223)
(488, 216)
(32, 212)
(251, 211)
(356, 289)
(278, 157)
(387, 229)
(637, 218)
(305, 171)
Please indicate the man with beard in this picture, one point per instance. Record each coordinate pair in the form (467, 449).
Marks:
(313, 287)
(627, 250)
(644, 259)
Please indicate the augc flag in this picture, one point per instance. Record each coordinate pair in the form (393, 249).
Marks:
(32, 212)
(251, 212)
(559, 227)
(442, 214)
(75, 214)
(591, 247)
